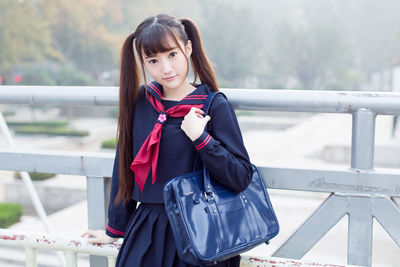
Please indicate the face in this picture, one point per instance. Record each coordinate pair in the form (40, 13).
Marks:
(170, 68)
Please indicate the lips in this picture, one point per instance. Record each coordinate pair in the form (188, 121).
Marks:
(169, 78)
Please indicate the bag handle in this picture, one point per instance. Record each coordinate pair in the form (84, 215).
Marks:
(208, 193)
(206, 107)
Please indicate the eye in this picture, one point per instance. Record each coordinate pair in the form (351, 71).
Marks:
(152, 61)
(172, 54)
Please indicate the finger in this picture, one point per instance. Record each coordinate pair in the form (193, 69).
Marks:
(183, 127)
(199, 111)
(207, 118)
(87, 233)
(93, 240)
(192, 110)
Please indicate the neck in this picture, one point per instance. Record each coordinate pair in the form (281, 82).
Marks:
(179, 93)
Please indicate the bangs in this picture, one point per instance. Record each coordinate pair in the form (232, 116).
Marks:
(156, 39)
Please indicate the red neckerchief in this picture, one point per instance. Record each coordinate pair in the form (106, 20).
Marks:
(148, 154)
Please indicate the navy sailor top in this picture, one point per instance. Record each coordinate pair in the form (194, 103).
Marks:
(220, 147)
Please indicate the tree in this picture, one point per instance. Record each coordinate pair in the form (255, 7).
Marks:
(80, 33)
(24, 36)
(313, 50)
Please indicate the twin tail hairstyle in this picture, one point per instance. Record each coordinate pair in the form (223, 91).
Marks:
(152, 36)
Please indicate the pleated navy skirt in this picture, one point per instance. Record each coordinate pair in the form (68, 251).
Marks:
(149, 241)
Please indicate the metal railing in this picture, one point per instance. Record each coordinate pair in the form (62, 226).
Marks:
(71, 247)
(361, 192)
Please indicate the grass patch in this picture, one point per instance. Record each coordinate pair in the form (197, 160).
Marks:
(10, 213)
(37, 129)
(110, 143)
(244, 113)
(8, 113)
(46, 127)
(114, 112)
(39, 123)
(37, 176)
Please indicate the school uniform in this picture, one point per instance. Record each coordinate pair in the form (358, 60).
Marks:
(148, 239)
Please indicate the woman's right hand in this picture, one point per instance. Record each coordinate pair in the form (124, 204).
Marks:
(98, 236)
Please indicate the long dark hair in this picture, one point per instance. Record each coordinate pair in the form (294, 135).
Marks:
(151, 37)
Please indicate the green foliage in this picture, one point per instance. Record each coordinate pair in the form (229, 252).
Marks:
(24, 36)
(37, 176)
(243, 113)
(36, 76)
(81, 36)
(266, 44)
(110, 143)
(114, 112)
(10, 213)
(72, 76)
(46, 127)
(8, 113)
(55, 74)
(37, 129)
(40, 123)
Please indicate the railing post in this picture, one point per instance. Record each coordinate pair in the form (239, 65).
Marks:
(111, 261)
(362, 160)
(97, 204)
(363, 140)
(71, 259)
(360, 232)
(30, 257)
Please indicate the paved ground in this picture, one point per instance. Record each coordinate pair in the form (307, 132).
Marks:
(296, 146)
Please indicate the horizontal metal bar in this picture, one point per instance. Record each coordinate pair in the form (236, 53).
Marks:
(57, 242)
(250, 261)
(61, 162)
(252, 99)
(59, 95)
(379, 181)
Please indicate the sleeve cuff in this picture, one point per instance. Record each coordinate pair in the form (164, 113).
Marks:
(114, 233)
(202, 141)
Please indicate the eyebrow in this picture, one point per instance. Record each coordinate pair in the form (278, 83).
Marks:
(172, 48)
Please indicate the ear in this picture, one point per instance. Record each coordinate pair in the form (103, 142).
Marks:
(188, 49)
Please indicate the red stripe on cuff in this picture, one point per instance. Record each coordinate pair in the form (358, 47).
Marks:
(115, 231)
(204, 143)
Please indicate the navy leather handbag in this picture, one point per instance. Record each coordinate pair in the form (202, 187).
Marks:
(211, 223)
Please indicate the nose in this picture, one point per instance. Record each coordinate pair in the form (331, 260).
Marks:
(167, 66)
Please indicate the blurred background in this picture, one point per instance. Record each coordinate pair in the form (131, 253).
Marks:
(278, 44)
(309, 44)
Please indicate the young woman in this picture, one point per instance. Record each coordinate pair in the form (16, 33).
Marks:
(161, 129)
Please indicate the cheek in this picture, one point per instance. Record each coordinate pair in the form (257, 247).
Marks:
(150, 69)
(183, 62)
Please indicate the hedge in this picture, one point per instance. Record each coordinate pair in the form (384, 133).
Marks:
(10, 213)
(37, 176)
(36, 129)
(244, 113)
(8, 113)
(39, 123)
(110, 143)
